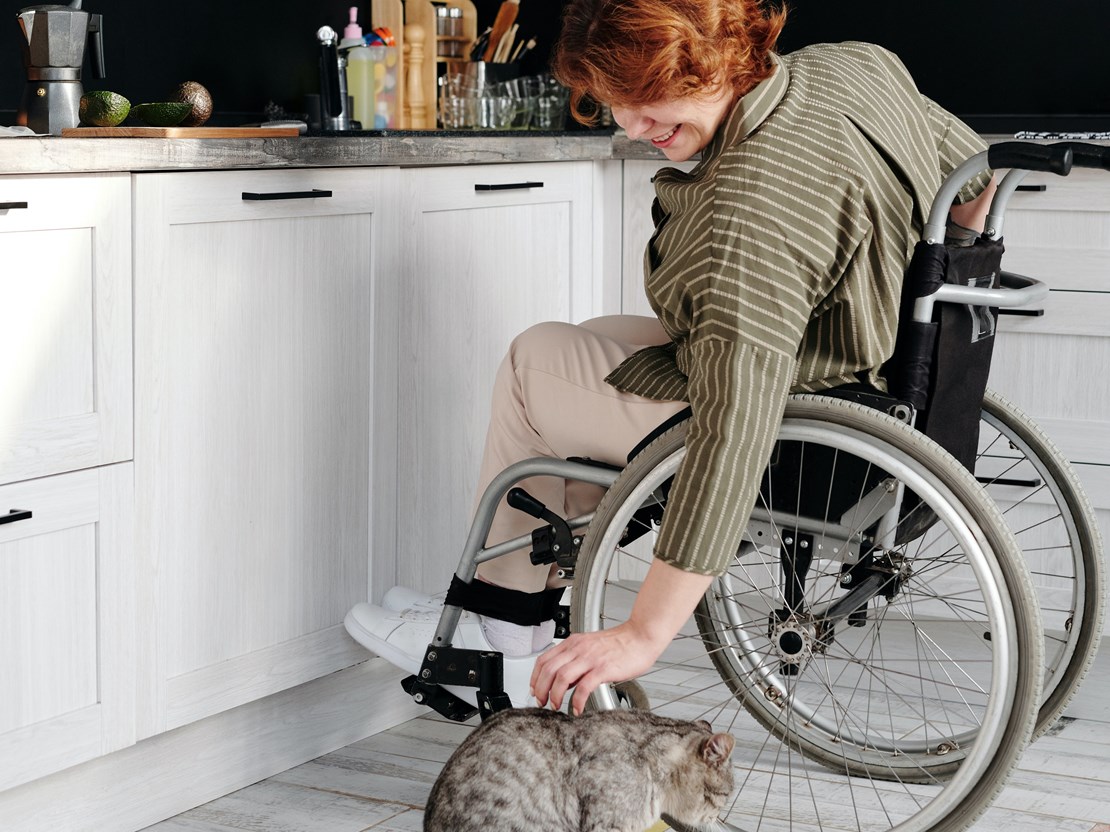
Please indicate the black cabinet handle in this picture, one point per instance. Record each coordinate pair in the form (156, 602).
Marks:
(9, 206)
(509, 186)
(315, 193)
(1032, 188)
(1014, 483)
(14, 516)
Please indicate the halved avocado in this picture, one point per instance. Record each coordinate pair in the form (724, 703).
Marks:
(162, 113)
(102, 108)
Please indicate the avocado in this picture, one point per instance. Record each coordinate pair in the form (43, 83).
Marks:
(102, 108)
(162, 113)
(193, 93)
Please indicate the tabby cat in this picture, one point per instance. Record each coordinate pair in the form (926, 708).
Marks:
(531, 769)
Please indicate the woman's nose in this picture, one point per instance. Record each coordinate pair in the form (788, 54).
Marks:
(634, 124)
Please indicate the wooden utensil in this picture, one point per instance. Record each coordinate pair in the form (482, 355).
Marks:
(506, 17)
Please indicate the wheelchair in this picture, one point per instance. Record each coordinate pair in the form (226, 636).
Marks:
(877, 646)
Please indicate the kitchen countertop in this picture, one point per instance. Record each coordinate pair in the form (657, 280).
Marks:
(409, 148)
(353, 149)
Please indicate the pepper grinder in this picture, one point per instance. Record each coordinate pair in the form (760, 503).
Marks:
(335, 108)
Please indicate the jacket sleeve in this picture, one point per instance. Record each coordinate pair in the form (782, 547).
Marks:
(737, 393)
(749, 310)
(956, 142)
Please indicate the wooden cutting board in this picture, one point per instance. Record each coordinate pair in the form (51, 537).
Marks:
(178, 132)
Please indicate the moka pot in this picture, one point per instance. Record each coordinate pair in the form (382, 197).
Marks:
(53, 43)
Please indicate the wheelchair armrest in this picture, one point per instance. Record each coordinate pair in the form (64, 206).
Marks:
(1016, 291)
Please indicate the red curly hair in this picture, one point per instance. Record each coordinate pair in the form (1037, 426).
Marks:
(637, 52)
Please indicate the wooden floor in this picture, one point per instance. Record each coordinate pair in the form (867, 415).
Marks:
(382, 782)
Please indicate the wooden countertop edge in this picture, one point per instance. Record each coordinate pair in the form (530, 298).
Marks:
(91, 155)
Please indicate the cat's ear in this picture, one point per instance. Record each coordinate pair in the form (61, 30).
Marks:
(717, 748)
(704, 725)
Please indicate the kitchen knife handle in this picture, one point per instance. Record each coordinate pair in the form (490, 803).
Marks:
(509, 186)
(14, 516)
(8, 206)
(315, 193)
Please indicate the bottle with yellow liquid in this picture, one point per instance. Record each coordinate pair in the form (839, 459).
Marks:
(360, 71)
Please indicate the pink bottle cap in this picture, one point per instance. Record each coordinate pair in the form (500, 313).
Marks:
(353, 30)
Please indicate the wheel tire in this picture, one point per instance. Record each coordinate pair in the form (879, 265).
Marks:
(1074, 527)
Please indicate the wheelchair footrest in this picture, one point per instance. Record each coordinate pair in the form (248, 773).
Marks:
(443, 702)
(446, 665)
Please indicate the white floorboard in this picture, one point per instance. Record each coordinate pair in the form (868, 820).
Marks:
(382, 782)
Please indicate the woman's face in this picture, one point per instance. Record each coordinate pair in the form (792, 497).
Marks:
(680, 128)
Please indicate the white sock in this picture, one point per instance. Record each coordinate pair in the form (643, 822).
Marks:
(506, 637)
(542, 635)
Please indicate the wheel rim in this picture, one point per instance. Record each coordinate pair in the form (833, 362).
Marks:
(925, 780)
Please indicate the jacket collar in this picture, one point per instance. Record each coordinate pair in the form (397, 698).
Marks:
(750, 111)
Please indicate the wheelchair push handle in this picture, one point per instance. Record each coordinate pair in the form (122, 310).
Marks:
(1050, 158)
(1082, 156)
(1020, 158)
(1089, 155)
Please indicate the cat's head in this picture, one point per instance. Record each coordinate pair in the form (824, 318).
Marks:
(702, 779)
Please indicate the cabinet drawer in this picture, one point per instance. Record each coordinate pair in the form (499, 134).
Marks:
(66, 693)
(230, 196)
(65, 323)
(474, 186)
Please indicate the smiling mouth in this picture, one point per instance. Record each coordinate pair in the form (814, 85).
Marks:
(667, 138)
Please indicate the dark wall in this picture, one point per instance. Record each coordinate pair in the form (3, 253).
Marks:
(979, 58)
(247, 52)
(1000, 64)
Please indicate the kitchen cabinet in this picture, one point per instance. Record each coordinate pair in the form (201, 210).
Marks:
(1053, 366)
(494, 249)
(254, 301)
(65, 323)
(66, 621)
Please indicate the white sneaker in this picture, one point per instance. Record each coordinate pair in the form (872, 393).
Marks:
(402, 638)
(401, 598)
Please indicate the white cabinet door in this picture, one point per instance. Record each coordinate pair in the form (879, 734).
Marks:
(67, 625)
(65, 323)
(496, 248)
(1053, 366)
(253, 305)
(638, 227)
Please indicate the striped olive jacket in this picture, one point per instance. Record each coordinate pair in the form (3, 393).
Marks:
(776, 266)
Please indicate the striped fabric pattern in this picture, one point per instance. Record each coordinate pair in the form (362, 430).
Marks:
(776, 266)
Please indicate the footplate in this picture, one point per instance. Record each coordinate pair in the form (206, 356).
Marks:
(443, 702)
(445, 665)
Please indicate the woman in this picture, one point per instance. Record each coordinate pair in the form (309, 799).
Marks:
(775, 267)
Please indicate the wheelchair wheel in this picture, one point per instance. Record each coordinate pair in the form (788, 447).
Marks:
(1045, 507)
(912, 674)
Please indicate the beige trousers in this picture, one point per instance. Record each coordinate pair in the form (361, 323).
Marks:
(550, 399)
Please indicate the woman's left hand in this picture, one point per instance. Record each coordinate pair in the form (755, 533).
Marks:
(585, 660)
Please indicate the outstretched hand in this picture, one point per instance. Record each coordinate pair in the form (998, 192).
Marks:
(586, 660)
